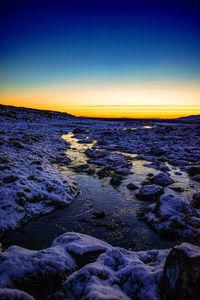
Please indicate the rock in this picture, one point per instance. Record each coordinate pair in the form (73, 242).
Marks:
(115, 180)
(156, 151)
(196, 177)
(14, 294)
(150, 174)
(90, 171)
(99, 214)
(162, 179)
(81, 168)
(105, 172)
(177, 188)
(174, 217)
(196, 200)
(78, 130)
(193, 170)
(178, 173)
(132, 186)
(93, 153)
(150, 192)
(181, 275)
(10, 179)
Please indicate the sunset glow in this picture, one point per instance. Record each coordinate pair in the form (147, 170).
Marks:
(101, 60)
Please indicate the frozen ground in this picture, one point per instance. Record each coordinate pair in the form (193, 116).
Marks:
(77, 266)
(126, 178)
(31, 183)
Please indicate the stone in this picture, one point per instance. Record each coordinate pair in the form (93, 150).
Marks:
(150, 192)
(193, 170)
(196, 200)
(181, 274)
(115, 181)
(10, 179)
(162, 179)
(132, 186)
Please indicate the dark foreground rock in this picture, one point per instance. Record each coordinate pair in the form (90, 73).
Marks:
(150, 192)
(181, 276)
(196, 200)
(162, 179)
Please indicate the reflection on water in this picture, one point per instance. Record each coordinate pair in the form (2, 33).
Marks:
(119, 225)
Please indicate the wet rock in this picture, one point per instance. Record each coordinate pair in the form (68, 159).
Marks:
(90, 171)
(10, 179)
(99, 214)
(156, 151)
(150, 192)
(162, 179)
(196, 200)
(93, 153)
(132, 187)
(150, 174)
(177, 188)
(193, 170)
(115, 180)
(81, 168)
(61, 160)
(178, 173)
(181, 276)
(105, 172)
(78, 130)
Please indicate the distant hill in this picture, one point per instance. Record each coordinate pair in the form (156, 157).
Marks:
(190, 119)
(14, 112)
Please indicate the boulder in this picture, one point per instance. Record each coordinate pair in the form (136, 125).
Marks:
(162, 179)
(132, 186)
(196, 200)
(150, 192)
(181, 275)
(115, 180)
(193, 170)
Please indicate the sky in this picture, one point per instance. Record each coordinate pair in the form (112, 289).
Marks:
(101, 58)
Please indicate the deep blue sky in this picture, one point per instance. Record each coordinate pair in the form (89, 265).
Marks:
(58, 42)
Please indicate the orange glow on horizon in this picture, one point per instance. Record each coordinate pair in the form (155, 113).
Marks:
(147, 100)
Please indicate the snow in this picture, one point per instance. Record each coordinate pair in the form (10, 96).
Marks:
(14, 294)
(31, 184)
(174, 216)
(34, 182)
(111, 273)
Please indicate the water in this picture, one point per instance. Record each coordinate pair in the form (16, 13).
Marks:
(120, 226)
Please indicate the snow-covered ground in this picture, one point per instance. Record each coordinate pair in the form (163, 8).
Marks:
(157, 164)
(77, 266)
(31, 183)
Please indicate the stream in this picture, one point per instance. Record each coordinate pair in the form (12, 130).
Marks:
(118, 225)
